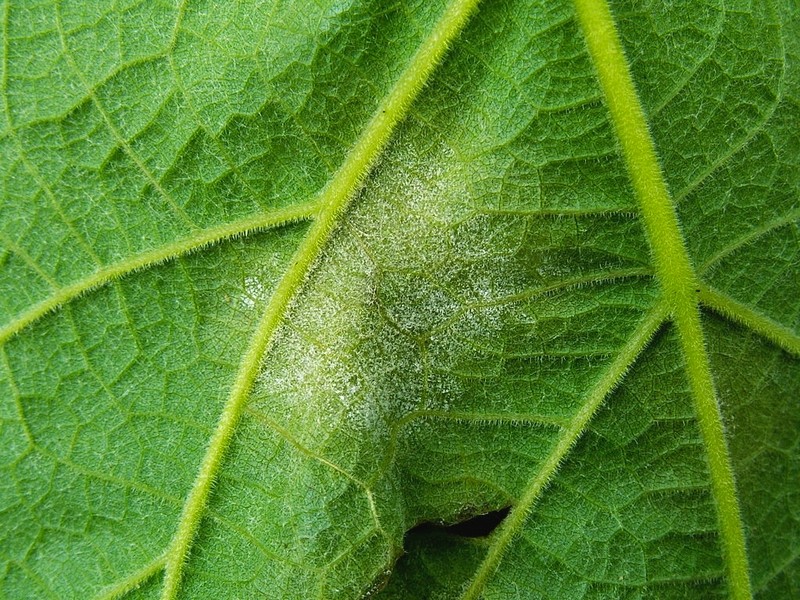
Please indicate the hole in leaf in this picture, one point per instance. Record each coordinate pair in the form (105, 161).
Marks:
(478, 526)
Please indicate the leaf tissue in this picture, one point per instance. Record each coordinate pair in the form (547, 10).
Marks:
(290, 289)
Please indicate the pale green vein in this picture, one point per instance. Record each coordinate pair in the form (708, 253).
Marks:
(190, 104)
(247, 535)
(754, 234)
(134, 580)
(674, 269)
(520, 419)
(36, 578)
(524, 419)
(199, 239)
(571, 283)
(756, 129)
(284, 433)
(26, 258)
(334, 199)
(307, 452)
(733, 309)
(782, 568)
(513, 524)
(106, 475)
(17, 405)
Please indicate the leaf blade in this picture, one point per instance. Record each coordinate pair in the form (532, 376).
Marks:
(487, 275)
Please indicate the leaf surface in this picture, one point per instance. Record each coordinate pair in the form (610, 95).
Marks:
(282, 281)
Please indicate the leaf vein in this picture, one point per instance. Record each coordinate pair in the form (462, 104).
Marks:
(674, 269)
(738, 312)
(612, 377)
(132, 581)
(30, 167)
(334, 199)
(198, 240)
(115, 132)
(749, 238)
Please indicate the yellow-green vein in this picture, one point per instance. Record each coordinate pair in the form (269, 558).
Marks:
(284, 433)
(188, 98)
(559, 286)
(26, 258)
(334, 199)
(740, 313)
(749, 238)
(132, 581)
(570, 434)
(197, 240)
(674, 270)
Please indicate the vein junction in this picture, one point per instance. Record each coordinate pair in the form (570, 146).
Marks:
(112, 272)
(569, 435)
(334, 199)
(674, 270)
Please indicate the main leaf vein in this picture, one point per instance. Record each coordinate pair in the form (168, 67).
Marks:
(674, 269)
(334, 199)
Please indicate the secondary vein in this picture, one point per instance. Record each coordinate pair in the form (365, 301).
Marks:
(118, 135)
(199, 239)
(733, 309)
(674, 269)
(566, 441)
(334, 199)
(134, 580)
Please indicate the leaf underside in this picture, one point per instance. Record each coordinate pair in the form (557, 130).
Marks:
(484, 323)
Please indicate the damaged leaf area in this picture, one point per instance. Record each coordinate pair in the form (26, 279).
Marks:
(400, 300)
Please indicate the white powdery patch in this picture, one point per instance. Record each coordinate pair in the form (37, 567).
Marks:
(258, 286)
(431, 185)
(338, 370)
(409, 203)
(255, 292)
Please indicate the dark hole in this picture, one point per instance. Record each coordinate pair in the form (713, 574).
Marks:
(479, 526)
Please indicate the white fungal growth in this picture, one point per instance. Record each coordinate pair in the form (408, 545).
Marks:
(255, 292)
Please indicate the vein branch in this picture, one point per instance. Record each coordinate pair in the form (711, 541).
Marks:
(199, 239)
(733, 309)
(334, 199)
(132, 581)
(569, 435)
(751, 237)
(118, 135)
(674, 269)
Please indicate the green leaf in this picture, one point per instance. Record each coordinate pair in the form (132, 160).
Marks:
(281, 281)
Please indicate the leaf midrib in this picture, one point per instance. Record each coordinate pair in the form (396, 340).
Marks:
(674, 269)
(334, 199)
(682, 294)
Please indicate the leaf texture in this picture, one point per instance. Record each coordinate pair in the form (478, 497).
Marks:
(281, 281)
